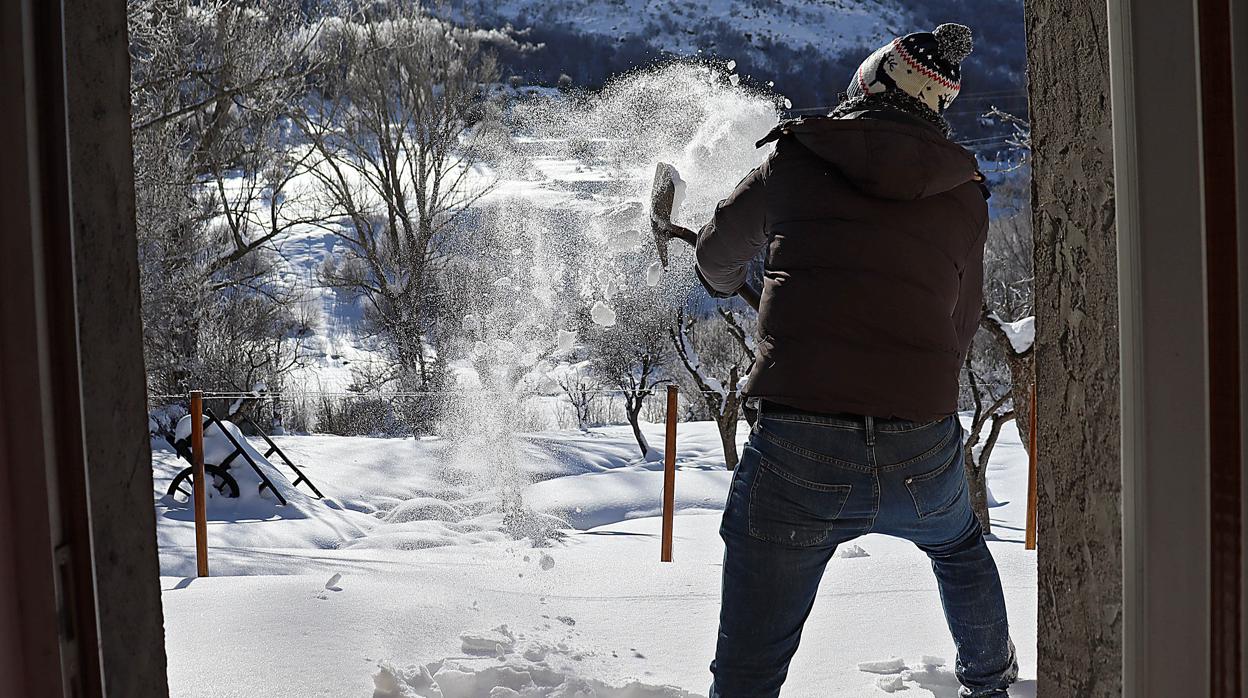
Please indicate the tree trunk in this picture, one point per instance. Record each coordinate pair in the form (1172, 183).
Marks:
(977, 474)
(635, 421)
(727, 423)
(1022, 378)
(977, 468)
(1077, 371)
(977, 483)
(1022, 374)
(728, 437)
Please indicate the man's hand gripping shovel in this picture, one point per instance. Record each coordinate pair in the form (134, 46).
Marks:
(662, 198)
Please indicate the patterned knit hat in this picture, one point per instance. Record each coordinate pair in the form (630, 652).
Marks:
(925, 65)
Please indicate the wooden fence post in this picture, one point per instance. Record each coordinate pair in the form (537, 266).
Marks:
(669, 475)
(1032, 477)
(198, 486)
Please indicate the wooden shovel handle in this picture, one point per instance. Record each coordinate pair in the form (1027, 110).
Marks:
(683, 233)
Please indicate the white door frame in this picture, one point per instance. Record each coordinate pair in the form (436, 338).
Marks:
(1163, 277)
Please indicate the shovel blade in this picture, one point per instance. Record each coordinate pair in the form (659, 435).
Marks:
(662, 197)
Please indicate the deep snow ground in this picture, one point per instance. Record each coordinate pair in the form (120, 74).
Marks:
(428, 579)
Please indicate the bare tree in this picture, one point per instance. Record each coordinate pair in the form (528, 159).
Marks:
(1017, 142)
(392, 124)
(582, 392)
(1000, 371)
(1015, 342)
(631, 356)
(1009, 280)
(716, 378)
(1007, 314)
(992, 410)
(210, 84)
(213, 81)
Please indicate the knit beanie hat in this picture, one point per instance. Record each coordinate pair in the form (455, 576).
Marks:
(925, 66)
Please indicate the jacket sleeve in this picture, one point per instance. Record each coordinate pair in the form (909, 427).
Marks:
(733, 236)
(971, 293)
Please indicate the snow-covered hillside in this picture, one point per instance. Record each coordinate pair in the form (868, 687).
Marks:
(824, 26)
(807, 48)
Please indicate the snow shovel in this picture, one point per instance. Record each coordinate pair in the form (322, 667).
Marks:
(667, 183)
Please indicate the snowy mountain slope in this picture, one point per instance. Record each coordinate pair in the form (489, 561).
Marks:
(679, 27)
(804, 49)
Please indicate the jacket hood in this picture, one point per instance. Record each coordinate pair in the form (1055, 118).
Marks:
(885, 155)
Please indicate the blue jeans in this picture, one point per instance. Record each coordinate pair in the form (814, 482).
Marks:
(807, 483)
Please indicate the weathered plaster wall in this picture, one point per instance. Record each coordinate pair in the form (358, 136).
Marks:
(1077, 354)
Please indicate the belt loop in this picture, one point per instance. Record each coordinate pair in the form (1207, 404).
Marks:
(870, 422)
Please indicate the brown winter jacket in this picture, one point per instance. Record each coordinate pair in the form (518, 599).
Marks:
(875, 227)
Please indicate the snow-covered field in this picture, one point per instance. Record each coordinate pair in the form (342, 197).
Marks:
(406, 574)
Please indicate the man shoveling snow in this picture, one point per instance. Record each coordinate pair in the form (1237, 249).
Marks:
(875, 224)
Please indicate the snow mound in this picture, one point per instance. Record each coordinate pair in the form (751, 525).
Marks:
(217, 446)
(424, 509)
(599, 499)
(852, 551)
(897, 677)
(514, 679)
(498, 641)
(421, 535)
(1021, 333)
(890, 684)
(883, 666)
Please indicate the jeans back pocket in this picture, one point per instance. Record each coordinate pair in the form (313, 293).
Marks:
(937, 490)
(790, 510)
